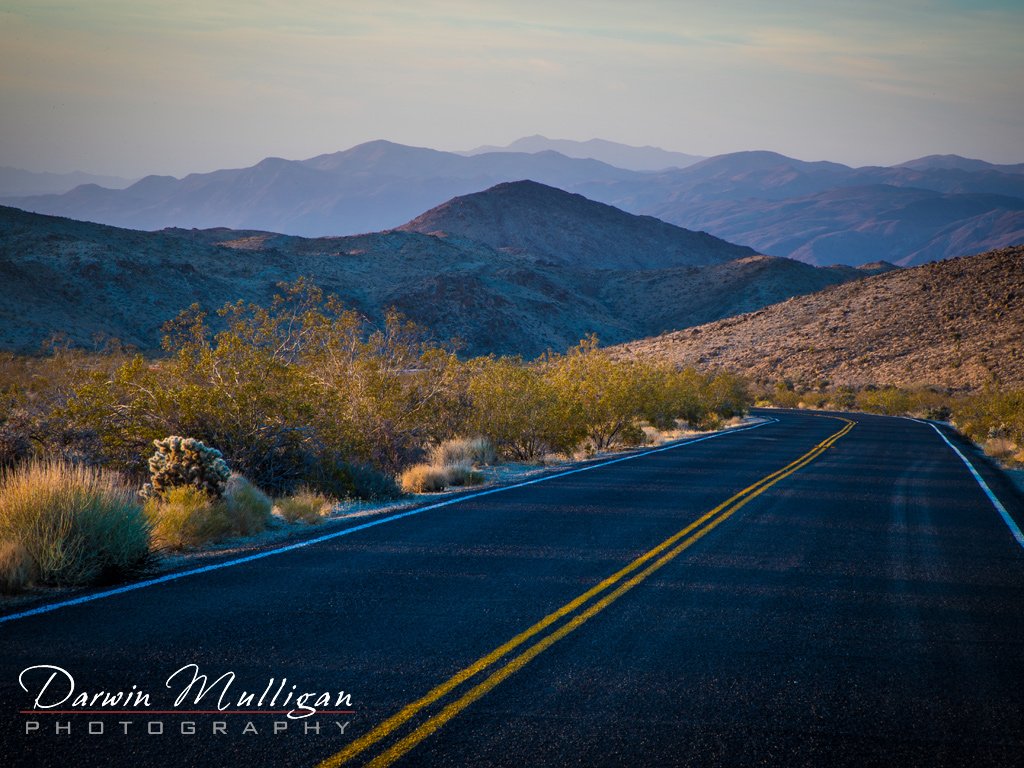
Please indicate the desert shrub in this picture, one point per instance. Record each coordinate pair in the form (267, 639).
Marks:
(461, 473)
(248, 508)
(1000, 447)
(424, 478)
(182, 461)
(520, 410)
(17, 568)
(14, 442)
(725, 395)
(784, 395)
(991, 414)
(278, 387)
(78, 524)
(430, 478)
(888, 400)
(633, 435)
(604, 396)
(474, 451)
(305, 505)
(340, 479)
(187, 517)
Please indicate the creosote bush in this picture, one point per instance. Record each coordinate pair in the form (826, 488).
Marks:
(302, 392)
(77, 524)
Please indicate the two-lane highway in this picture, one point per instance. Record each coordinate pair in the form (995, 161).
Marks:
(809, 592)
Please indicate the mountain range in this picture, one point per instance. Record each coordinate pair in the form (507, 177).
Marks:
(620, 155)
(18, 182)
(518, 268)
(818, 212)
(956, 323)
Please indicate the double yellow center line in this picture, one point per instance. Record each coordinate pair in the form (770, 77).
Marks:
(623, 581)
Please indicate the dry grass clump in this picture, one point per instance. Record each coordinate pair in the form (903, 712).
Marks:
(18, 570)
(248, 507)
(1000, 447)
(68, 524)
(477, 451)
(423, 478)
(452, 463)
(306, 505)
(188, 517)
(430, 478)
(462, 473)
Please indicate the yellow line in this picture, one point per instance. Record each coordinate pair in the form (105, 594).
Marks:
(388, 726)
(451, 710)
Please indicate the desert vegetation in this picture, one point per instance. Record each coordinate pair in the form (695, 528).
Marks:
(305, 401)
(68, 524)
(992, 417)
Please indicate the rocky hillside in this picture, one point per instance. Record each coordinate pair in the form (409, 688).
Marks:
(956, 323)
(528, 218)
(89, 280)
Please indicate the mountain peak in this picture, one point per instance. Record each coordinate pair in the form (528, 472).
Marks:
(549, 224)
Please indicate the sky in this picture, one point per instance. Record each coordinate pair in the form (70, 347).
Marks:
(150, 86)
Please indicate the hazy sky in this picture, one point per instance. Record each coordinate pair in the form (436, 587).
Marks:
(153, 86)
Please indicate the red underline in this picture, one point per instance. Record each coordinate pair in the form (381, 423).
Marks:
(180, 712)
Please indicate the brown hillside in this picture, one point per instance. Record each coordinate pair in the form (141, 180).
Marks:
(956, 323)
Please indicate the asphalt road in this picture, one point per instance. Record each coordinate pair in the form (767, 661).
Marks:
(799, 594)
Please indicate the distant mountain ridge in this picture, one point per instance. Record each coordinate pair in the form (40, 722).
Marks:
(370, 187)
(633, 158)
(19, 182)
(563, 267)
(819, 212)
(827, 213)
(956, 323)
(956, 162)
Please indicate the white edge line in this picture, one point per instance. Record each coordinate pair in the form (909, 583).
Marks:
(47, 608)
(1010, 522)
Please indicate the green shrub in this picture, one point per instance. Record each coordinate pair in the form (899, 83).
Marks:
(521, 409)
(181, 461)
(17, 568)
(340, 479)
(305, 505)
(77, 524)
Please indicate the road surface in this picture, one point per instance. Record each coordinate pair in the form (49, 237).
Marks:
(816, 591)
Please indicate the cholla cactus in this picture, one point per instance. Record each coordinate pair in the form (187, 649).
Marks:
(186, 461)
